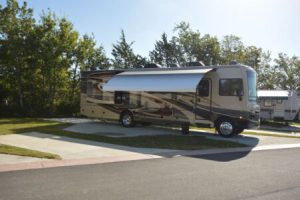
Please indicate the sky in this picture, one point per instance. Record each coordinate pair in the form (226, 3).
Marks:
(270, 24)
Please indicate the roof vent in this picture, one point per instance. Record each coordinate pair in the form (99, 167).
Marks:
(195, 63)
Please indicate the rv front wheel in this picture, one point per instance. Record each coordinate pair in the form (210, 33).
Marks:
(127, 119)
(226, 128)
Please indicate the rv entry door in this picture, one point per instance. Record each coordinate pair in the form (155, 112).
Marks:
(203, 100)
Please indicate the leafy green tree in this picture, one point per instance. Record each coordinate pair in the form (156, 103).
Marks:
(85, 56)
(232, 48)
(188, 40)
(16, 27)
(165, 52)
(40, 62)
(123, 54)
(289, 71)
(252, 56)
(192, 47)
(57, 40)
(208, 50)
(267, 74)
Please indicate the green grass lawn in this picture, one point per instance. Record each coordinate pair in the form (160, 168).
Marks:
(16, 126)
(295, 123)
(13, 125)
(12, 150)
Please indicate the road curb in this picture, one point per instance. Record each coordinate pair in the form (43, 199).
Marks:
(73, 162)
(97, 160)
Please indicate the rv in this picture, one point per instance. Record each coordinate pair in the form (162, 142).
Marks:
(280, 105)
(223, 97)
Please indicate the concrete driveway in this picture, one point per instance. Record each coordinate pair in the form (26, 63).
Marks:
(76, 151)
(116, 130)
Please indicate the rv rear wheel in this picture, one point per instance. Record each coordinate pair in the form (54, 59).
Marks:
(226, 127)
(127, 120)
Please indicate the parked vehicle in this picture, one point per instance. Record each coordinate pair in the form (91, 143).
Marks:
(280, 105)
(223, 97)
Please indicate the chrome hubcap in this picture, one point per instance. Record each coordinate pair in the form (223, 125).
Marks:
(226, 128)
(126, 120)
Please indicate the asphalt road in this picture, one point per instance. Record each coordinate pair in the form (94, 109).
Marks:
(256, 175)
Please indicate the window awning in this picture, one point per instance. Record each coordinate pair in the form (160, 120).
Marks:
(185, 80)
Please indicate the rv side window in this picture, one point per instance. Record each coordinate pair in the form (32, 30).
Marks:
(121, 97)
(203, 88)
(231, 87)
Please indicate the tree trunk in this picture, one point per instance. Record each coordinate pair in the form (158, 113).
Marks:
(73, 84)
(19, 89)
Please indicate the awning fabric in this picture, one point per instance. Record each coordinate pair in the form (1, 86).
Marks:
(157, 81)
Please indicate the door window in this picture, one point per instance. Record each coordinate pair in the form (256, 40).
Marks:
(203, 88)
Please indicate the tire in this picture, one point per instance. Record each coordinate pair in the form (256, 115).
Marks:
(185, 129)
(127, 119)
(226, 127)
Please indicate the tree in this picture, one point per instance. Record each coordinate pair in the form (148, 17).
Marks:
(16, 27)
(208, 50)
(40, 62)
(188, 40)
(192, 47)
(123, 54)
(232, 48)
(57, 40)
(289, 71)
(267, 74)
(165, 52)
(252, 56)
(84, 56)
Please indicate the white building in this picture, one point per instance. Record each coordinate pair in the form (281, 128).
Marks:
(279, 104)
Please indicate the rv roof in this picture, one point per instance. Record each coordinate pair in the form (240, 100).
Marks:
(168, 69)
(154, 72)
(272, 93)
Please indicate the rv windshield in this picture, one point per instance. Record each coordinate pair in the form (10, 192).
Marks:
(251, 79)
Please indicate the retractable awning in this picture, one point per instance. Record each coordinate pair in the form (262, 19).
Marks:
(185, 80)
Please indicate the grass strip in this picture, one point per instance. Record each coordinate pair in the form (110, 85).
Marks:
(12, 150)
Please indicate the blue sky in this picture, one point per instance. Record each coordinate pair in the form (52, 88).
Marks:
(271, 24)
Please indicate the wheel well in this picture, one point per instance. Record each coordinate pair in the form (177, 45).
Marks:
(221, 118)
(123, 112)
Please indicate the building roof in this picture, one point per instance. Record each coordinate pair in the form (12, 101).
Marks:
(273, 93)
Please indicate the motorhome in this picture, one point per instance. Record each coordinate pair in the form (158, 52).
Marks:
(223, 97)
(280, 105)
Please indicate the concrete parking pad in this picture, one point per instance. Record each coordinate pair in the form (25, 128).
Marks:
(115, 130)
